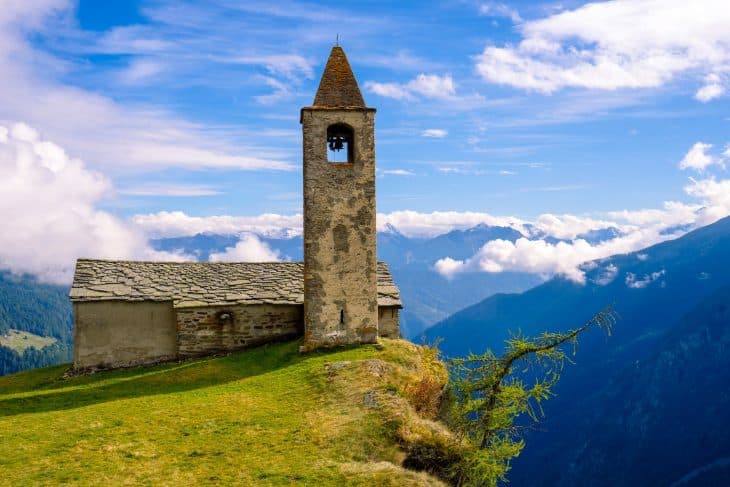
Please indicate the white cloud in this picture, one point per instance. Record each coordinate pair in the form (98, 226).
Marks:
(606, 275)
(715, 197)
(637, 229)
(140, 71)
(170, 190)
(398, 172)
(541, 257)
(176, 223)
(449, 267)
(606, 45)
(48, 210)
(425, 85)
(640, 229)
(416, 224)
(493, 9)
(411, 223)
(461, 170)
(698, 158)
(713, 204)
(672, 213)
(291, 66)
(388, 90)
(435, 133)
(711, 90)
(248, 249)
(568, 227)
(634, 283)
(433, 86)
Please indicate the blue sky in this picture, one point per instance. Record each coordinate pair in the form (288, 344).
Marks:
(514, 109)
(594, 149)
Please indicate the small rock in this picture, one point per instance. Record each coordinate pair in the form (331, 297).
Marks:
(337, 366)
(377, 367)
(370, 400)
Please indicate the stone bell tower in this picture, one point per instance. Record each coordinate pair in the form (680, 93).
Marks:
(340, 260)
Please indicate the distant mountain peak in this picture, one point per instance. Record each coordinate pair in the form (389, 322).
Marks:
(390, 229)
(479, 226)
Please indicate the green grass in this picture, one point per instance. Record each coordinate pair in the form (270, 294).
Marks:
(268, 416)
(20, 340)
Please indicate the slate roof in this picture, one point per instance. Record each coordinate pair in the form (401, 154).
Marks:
(338, 87)
(193, 284)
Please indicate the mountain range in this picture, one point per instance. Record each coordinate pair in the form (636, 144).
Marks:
(645, 406)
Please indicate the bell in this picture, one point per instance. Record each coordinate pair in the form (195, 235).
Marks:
(336, 144)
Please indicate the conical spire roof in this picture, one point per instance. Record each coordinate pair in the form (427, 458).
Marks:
(338, 87)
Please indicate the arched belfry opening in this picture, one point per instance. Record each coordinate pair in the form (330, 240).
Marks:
(340, 142)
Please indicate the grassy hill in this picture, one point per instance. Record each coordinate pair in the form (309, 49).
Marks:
(268, 416)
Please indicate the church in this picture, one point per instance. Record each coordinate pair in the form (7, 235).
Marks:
(130, 313)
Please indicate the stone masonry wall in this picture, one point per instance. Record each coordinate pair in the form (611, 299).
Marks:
(204, 331)
(340, 285)
(388, 326)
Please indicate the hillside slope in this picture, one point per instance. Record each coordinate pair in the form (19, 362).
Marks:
(30, 307)
(652, 289)
(268, 416)
(670, 412)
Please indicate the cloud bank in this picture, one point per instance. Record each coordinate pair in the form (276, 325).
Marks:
(48, 209)
(639, 229)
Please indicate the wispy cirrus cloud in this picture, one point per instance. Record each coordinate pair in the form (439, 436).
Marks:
(97, 128)
(496, 9)
(397, 172)
(435, 133)
(173, 190)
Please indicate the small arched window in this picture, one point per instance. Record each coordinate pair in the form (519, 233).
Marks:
(224, 318)
(339, 143)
